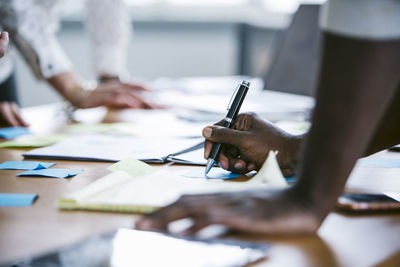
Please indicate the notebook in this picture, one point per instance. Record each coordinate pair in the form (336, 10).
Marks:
(100, 147)
(122, 192)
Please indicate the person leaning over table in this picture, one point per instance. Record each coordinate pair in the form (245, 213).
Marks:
(357, 113)
(33, 25)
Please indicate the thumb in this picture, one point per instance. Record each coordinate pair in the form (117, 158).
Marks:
(224, 135)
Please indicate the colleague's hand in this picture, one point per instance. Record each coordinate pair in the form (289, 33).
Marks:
(3, 43)
(247, 144)
(10, 115)
(114, 94)
(255, 211)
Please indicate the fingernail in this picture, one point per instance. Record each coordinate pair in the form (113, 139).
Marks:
(238, 165)
(251, 167)
(207, 132)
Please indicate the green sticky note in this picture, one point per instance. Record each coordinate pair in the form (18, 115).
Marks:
(132, 166)
(126, 128)
(34, 141)
(119, 127)
(92, 127)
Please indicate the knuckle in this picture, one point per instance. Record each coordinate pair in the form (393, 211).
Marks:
(249, 114)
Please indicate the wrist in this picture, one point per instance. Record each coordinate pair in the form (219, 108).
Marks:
(306, 203)
(78, 94)
(289, 153)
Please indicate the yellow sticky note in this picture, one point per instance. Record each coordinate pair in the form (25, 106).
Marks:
(132, 166)
(270, 173)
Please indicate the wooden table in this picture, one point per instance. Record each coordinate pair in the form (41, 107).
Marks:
(342, 240)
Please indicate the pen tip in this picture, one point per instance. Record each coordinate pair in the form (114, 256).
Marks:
(210, 164)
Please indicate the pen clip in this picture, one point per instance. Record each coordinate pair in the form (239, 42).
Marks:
(232, 97)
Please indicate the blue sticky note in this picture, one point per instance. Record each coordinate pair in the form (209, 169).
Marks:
(215, 173)
(54, 173)
(16, 200)
(291, 180)
(25, 165)
(382, 162)
(12, 132)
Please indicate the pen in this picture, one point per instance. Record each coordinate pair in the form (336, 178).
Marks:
(233, 109)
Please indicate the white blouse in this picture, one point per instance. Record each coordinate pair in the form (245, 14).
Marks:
(33, 24)
(363, 19)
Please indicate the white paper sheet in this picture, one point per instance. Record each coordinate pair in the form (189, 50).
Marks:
(112, 148)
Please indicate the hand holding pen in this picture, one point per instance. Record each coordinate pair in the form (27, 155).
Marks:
(233, 110)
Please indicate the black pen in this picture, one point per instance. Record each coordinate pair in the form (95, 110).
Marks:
(233, 110)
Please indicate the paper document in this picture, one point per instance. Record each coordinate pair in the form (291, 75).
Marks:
(98, 147)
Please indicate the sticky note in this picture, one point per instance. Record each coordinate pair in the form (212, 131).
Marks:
(34, 141)
(25, 165)
(120, 127)
(215, 173)
(270, 174)
(54, 173)
(91, 127)
(16, 200)
(381, 162)
(291, 180)
(132, 166)
(12, 132)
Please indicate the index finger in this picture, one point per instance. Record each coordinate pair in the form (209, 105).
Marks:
(3, 43)
(160, 219)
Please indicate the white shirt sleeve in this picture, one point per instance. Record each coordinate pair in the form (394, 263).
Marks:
(363, 19)
(32, 26)
(110, 30)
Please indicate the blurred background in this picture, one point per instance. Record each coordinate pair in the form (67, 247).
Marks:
(181, 38)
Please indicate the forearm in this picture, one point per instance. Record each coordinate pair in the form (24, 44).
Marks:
(388, 131)
(356, 83)
(68, 86)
